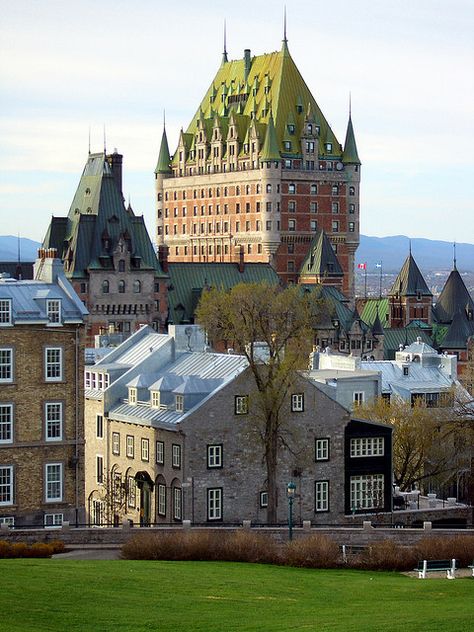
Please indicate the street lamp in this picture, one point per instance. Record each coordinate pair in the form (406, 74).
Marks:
(290, 490)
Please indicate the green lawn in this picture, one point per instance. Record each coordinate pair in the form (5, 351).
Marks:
(39, 595)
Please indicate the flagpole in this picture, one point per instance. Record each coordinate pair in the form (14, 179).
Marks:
(365, 264)
(380, 296)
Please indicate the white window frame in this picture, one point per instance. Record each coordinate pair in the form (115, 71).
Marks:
(6, 423)
(241, 404)
(130, 446)
(358, 398)
(53, 520)
(53, 311)
(53, 366)
(176, 456)
(160, 452)
(155, 399)
(367, 446)
(321, 452)
(132, 395)
(177, 503)
(179, 403)
(6, 485)
(321, 496)
(365, 489)
(145, 449)
(87, 379)
(161, 503)
(214, 456)
(8, 520)
(214, 503)
(5, 312)
(263, 499)
(297, 402)
(53, 418)
(116, 443)
(57, 482)
(6, 365)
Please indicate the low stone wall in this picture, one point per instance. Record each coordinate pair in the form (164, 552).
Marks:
(360, 535)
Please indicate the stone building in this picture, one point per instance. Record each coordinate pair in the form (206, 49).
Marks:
(108, 255)
(171, 436)
(259, 173)
(41, 406)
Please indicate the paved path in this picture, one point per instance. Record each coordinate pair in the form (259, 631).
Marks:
(89, 554)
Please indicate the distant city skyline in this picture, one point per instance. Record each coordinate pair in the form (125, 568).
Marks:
(408, 66)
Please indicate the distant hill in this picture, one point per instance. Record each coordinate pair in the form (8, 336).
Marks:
(429, 254)
(9, 248)
(392, 251)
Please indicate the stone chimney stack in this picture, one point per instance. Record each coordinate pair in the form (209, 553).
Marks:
(47, 266)
(115, 161)
(241, 259)
(163, 257)
(247, 63)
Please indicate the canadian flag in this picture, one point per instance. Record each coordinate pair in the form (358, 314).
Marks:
(362, 266)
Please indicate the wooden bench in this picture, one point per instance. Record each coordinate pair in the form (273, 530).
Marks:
(431, 566)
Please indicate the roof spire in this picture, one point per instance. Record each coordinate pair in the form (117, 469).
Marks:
(409, 246)
(89, 140)
(284, 47)
(350, 104)
(164, 158)
(350, 155)
(454, 255)
(105, 142)
(224, 54)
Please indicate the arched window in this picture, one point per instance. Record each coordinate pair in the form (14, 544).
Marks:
(121, 287)
(137, 287)
(105, 287)
(121, 266)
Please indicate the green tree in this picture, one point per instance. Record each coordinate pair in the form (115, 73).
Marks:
(247, 316)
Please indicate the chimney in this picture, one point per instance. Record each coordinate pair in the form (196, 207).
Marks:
(241, 259)
(47, 266)
(163, 257)
(115, 161)
(247, 63)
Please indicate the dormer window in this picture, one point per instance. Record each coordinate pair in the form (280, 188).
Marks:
(5, 312)
(53, 310)
(179, 403)
(155, 399)
(310, 128)
(132, 396)
(105, 287)
(418, 295)
(291, 129)
(287, 145)
(406, 370)
(328, 147)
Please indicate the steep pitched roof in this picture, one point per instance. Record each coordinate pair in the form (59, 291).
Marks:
(394, 337)
(458, 332)
(454, 297)
(321, 259)
(410, 281)
(375, 307)
(350, 155)
(273, 86)
(270, 149)
(164, 159)
(97, 220)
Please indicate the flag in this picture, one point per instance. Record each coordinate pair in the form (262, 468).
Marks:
(362, 266)
(378, 265)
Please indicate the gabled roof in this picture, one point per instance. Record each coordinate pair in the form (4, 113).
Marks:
(97, 220)
(453, 298)
(375, 307)
(410, 281)
(321, 259)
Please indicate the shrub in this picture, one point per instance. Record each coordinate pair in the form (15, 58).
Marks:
(386, 556)
(5, 549)
(19, 549)
(57, 546)
(458, 547)
(244, 546)
(39, 549)
(314, 551)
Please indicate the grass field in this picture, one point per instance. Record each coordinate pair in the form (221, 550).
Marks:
(40, 595)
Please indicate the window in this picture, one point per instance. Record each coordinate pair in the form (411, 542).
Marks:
(321, 496)
(6, 423)
(176, 455)
(121, 287)
(314, 189)
(53, 412)
(54, 482)
(322, 450)
(6, 365)
(214, 456)
(263, 499)
(214, 503)
(292, 188)
(328, 147)
(5, 312)
(335, 227)
(313, 225)
(290, 266)
(160, 452)
(241, 404)
(358, 397)
(131, 490)
(335, 189)
(105, 287)
(155, 399)
(116, 443)
(352, 190)
(100, 468)
(137, 286)
(291, 206)
(291, 129)
(351, 227)
(177, 503)
(179, 403)
(335, 207)
(291, 225)
(297, 402)
(145, 450)
(121, 265)
(53, 520)
(53, 364)
(6, 485)
(53, 311)
(8, 520)
(310, 146)
(406, 370)
(367, 446)
(99, 427)
(287, 145)
(366, 491)
(352, 209)
(161, 499)
(130, 446)
(132, 396)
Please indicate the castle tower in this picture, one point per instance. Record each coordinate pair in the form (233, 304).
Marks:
(409, 298)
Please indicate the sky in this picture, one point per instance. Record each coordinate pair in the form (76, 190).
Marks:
(66, 67)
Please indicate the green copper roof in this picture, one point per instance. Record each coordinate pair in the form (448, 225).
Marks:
(187, 280)
(270, 149)
(274, 86)
(454, 297)
(164, 159)
(97, 220)
(458, 332)
(410, 281)
(350, 155)
(374, 307)
(394, 337)
(321, 259)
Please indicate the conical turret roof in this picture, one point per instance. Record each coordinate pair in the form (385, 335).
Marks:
(350, 155)
(270, 149)
(410, 281)
(164, 159)
(454, 296)
(321, 259)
